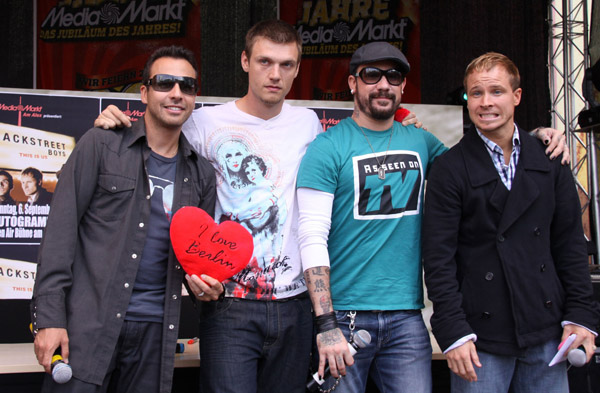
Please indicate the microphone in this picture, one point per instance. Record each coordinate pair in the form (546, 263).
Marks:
(61, 371)
(577, 356)
(361, 339)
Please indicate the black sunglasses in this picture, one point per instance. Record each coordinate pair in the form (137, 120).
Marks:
(372, 75)
(165, 82)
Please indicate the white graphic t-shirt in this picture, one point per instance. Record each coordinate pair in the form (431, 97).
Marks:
(256, 162)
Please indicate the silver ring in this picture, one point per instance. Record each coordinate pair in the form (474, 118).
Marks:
(201, 294)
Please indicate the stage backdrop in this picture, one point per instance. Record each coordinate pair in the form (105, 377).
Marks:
(123, 34)
(332, 30)
(39, 130)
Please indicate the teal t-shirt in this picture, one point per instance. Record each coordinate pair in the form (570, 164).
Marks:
(375, 238)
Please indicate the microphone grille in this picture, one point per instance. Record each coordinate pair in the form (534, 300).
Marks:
(62, 373)
(576, 357)
(362, 338)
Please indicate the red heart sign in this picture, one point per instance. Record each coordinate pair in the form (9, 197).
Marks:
(203, 247)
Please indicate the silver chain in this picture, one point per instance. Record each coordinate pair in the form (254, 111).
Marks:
(332, 388)
(380, 167)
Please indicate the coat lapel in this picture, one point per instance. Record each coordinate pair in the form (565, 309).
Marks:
(523, 193)
(480, 168)
(524, 189)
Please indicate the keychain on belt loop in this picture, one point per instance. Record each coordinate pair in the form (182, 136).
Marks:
(352, 324)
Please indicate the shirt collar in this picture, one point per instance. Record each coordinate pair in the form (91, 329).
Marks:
(493, 147)
(138, 131)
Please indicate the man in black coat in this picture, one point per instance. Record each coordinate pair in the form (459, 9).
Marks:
(505, 258)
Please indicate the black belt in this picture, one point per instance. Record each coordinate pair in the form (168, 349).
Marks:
(303, 295)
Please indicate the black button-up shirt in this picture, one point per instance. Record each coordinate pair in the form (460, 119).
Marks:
(94, 238)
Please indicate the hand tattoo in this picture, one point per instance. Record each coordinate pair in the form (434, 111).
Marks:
(329, 337)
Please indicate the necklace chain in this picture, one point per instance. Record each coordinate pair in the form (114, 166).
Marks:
(380, 166)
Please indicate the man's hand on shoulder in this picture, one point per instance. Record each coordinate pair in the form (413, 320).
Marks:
(556, 143)
(462, 359)
(112, 118)
(407, 118)
(45, 344)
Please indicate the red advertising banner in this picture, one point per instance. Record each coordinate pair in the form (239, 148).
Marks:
(123, 34)
(332, 30)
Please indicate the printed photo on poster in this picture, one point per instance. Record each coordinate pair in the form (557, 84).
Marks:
(29, 162)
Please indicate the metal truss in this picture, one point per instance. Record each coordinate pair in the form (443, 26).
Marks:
(568, 59)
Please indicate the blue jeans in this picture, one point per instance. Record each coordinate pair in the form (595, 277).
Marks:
(398, 359)
(255, 346)
(527, 374)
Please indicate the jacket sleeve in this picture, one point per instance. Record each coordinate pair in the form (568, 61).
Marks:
(74, 190)
(569, 253)
(441, 221)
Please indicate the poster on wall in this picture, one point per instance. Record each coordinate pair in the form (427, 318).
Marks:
(331, 30)
(37, 134)
(123, 34)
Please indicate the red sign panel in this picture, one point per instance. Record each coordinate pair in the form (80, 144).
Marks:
(123, 33)
(332, 30)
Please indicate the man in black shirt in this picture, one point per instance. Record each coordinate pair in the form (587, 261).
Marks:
(108, 288)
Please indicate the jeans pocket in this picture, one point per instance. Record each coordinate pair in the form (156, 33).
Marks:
(304, 306)
(342, 316)
(213, 309)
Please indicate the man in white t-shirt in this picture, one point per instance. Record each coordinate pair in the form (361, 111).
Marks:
(258, 336)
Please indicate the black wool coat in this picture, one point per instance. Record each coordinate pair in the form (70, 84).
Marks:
(508, 266)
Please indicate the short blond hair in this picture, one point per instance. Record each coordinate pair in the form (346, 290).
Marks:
(488, 61)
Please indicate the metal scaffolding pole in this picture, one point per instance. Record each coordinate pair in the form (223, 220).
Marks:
(568, 59)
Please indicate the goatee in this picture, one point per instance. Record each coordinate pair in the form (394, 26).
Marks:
(382, 114)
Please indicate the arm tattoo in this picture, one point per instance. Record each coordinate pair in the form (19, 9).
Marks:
(319, 272)
(325, 303)
(320, 286)
(308, 280)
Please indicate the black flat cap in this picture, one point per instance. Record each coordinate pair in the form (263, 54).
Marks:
(377, 51)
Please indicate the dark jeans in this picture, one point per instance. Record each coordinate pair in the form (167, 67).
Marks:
(255, 346)
(134, 367)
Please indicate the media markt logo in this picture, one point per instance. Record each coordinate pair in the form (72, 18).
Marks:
(134, 115)
(27, 111)
(135, 19)
(329, 30)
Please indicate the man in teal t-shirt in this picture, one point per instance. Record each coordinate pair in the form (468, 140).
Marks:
(360, 192)
(374, 241)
